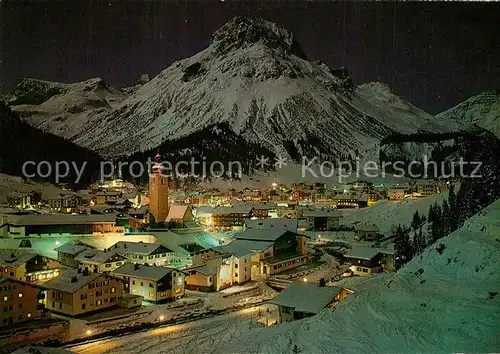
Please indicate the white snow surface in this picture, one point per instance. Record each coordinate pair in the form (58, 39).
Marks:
(437, 303)
(482, 110)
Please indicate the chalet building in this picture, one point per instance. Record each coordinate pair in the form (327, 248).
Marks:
(351, 199)
(359, 185)
(23, 200)
(368, 260)
(318, 220)
(366, 232)
(254, 254)
(67, 253)
(301, 300)
(21, 226)
(107, 197)
(64, 202)
(287, 210)
(98, 261)
(427, 189)
(261, 211)
(20, 302)
(140, 213)
(77, 292)
(223, 218)
(154, 284)
(297, 195)
(28, 267)
(179, 215)
(144, 253)
(272, 223)
(397, 192)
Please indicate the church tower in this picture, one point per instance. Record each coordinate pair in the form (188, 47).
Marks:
(158, 193)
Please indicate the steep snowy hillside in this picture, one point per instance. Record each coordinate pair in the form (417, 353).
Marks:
(482, 110)
(446, 300)
(62, 109)
(254, 77)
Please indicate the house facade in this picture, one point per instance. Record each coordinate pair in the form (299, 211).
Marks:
(154, 284)
(76, 293)
(28, 267)
(145, 253)
(97, 261)
(20, 302)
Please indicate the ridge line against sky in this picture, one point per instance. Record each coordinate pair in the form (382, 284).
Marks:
(435, 55)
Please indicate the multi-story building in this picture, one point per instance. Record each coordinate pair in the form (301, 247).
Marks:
(28, 267)
(20, 302)
(223, 218)
(64, 202)
(366, 232)
(318, 220)
(397, 192)
(154, 284)
(98, 261)
(107, 197)
(144, 253)
(369, 260)
(67, 253)
(23, 200)
(77, 292)
(427, 189)
(255, 253)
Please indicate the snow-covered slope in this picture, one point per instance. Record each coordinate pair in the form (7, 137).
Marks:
(255, 77)
(62, 109)
(441, 302)
(482, 110)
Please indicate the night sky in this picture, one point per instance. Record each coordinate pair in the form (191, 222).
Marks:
(433, 54)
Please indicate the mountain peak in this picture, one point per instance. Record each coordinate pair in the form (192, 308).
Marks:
(240, 31)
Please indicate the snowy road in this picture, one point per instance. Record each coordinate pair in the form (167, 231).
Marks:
(191, 337)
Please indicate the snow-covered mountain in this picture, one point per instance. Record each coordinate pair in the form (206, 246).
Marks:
(482, 110)
(63, 109)
(254, 77)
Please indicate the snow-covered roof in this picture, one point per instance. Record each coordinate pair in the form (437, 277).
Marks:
(320, 213)
(71, 280)
(204, 269)
(271, 234)
(71, 248)
(15, 258)
(367, 227)
(143, 248)
(177, 212)
(367, 253)
(288, 224)
(306, 297)
(240, 248)
(142, 271)
(97, 256)
(223, 210)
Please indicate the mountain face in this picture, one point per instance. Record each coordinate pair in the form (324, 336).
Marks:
(253, 77)
(63, 109)
(21, 142)
(482, 110)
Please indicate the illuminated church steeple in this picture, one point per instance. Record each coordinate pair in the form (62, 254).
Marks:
(158, 192)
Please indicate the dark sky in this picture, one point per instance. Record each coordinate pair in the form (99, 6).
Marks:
(433, 54)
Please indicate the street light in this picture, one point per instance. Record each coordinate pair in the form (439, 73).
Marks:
(89, 332)
(162, 318)
(305, 280)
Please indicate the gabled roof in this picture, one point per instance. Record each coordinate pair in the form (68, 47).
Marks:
(271, 223)
(366, 253)
(204, 269)
(96, 256)
(142, 271)
(177, 212)
(71, 248)
(240, 248)
(224, 210)
(268, 235)
(143, 248)
(15, 258)
(306, 297)
(70, 281)
(141, 210)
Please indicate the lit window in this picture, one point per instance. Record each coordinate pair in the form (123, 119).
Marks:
(5, 298)
(20, 295)
(29, 314)
(113, 290)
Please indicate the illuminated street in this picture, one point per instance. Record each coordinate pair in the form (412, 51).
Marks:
(192, 337)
